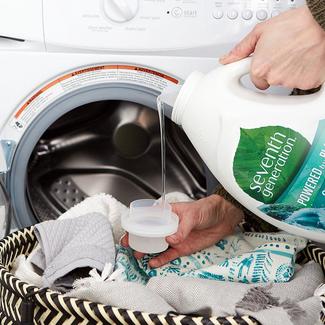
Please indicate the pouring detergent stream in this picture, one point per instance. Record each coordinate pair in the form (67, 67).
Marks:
(267, 151)
(161, 113)
(149, 222)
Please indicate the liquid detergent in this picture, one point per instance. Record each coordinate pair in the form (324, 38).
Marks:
(161, 113)
(267, 151)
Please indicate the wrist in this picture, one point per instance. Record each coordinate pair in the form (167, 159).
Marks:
(214, 201)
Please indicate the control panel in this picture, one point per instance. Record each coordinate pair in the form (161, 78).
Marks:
(154, 25)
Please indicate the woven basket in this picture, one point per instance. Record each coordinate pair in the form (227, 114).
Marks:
(21, 303)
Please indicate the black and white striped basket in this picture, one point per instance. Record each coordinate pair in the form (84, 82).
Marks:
(21, 303)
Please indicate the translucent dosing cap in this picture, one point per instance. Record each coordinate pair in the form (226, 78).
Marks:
(148, 223)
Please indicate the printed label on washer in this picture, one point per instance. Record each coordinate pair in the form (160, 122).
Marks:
(85, 77)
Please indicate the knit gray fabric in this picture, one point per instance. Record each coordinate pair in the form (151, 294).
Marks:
(65, 284)
(274, 304)
(69, 244)
(127, 295)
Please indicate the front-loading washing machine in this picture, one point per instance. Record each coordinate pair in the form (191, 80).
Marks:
(79, 82)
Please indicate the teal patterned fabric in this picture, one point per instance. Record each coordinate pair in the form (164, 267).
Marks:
(128, 263)
(246, 258)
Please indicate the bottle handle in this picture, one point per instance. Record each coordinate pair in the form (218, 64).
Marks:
(234, 71)
(231, 75)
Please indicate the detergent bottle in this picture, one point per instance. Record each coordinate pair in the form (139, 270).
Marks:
(267, 151)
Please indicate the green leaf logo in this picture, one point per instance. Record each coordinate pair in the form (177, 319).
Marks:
(267, 159)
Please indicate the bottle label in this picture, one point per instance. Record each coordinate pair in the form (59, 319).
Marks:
(278, 167)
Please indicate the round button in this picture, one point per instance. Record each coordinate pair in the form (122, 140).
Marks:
(247, 14)
(177, 12)
(217, 14)
(261, 14)
(275, 13)
(232, 14)
(120, 11)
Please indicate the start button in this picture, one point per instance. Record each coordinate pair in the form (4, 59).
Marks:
(177, 12)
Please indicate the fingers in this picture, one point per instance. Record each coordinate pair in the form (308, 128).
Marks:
(138, 255)
(178, 208)
(125, 243)
(164, 258)
(243, 49)
(259, 73)
(125, 240)
(260, 83)
(186, 224)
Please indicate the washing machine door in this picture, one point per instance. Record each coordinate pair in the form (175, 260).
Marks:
(5, 209)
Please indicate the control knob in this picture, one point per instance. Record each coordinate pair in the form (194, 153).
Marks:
(120, 11)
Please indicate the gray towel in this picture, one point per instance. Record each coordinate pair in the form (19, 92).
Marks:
(274, 304)
(66, 245)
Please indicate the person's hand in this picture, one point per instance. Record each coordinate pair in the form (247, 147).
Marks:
(201, 224)
(289, 51)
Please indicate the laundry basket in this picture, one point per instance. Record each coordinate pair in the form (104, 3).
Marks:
(21, 303)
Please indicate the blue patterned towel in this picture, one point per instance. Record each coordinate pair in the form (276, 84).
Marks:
(243, 257)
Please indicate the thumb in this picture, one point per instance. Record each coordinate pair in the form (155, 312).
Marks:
(243, 49)
(165, 257)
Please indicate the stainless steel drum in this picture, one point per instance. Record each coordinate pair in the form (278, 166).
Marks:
(111, 147)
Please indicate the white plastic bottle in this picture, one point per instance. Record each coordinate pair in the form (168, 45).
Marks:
(267, 151)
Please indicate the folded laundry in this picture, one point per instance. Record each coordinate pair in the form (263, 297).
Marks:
(25, 271)
(248, 257)
(103, 204)
(134, 296)
(295, 302)
(243, 257)
(76, 241)
(278, 303)
(69, 244)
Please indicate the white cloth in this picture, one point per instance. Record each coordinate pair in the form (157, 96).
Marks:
(296, 302)
(104, 204)
(105, 290)
(174, 197)
(25, 271)
(188, 295)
